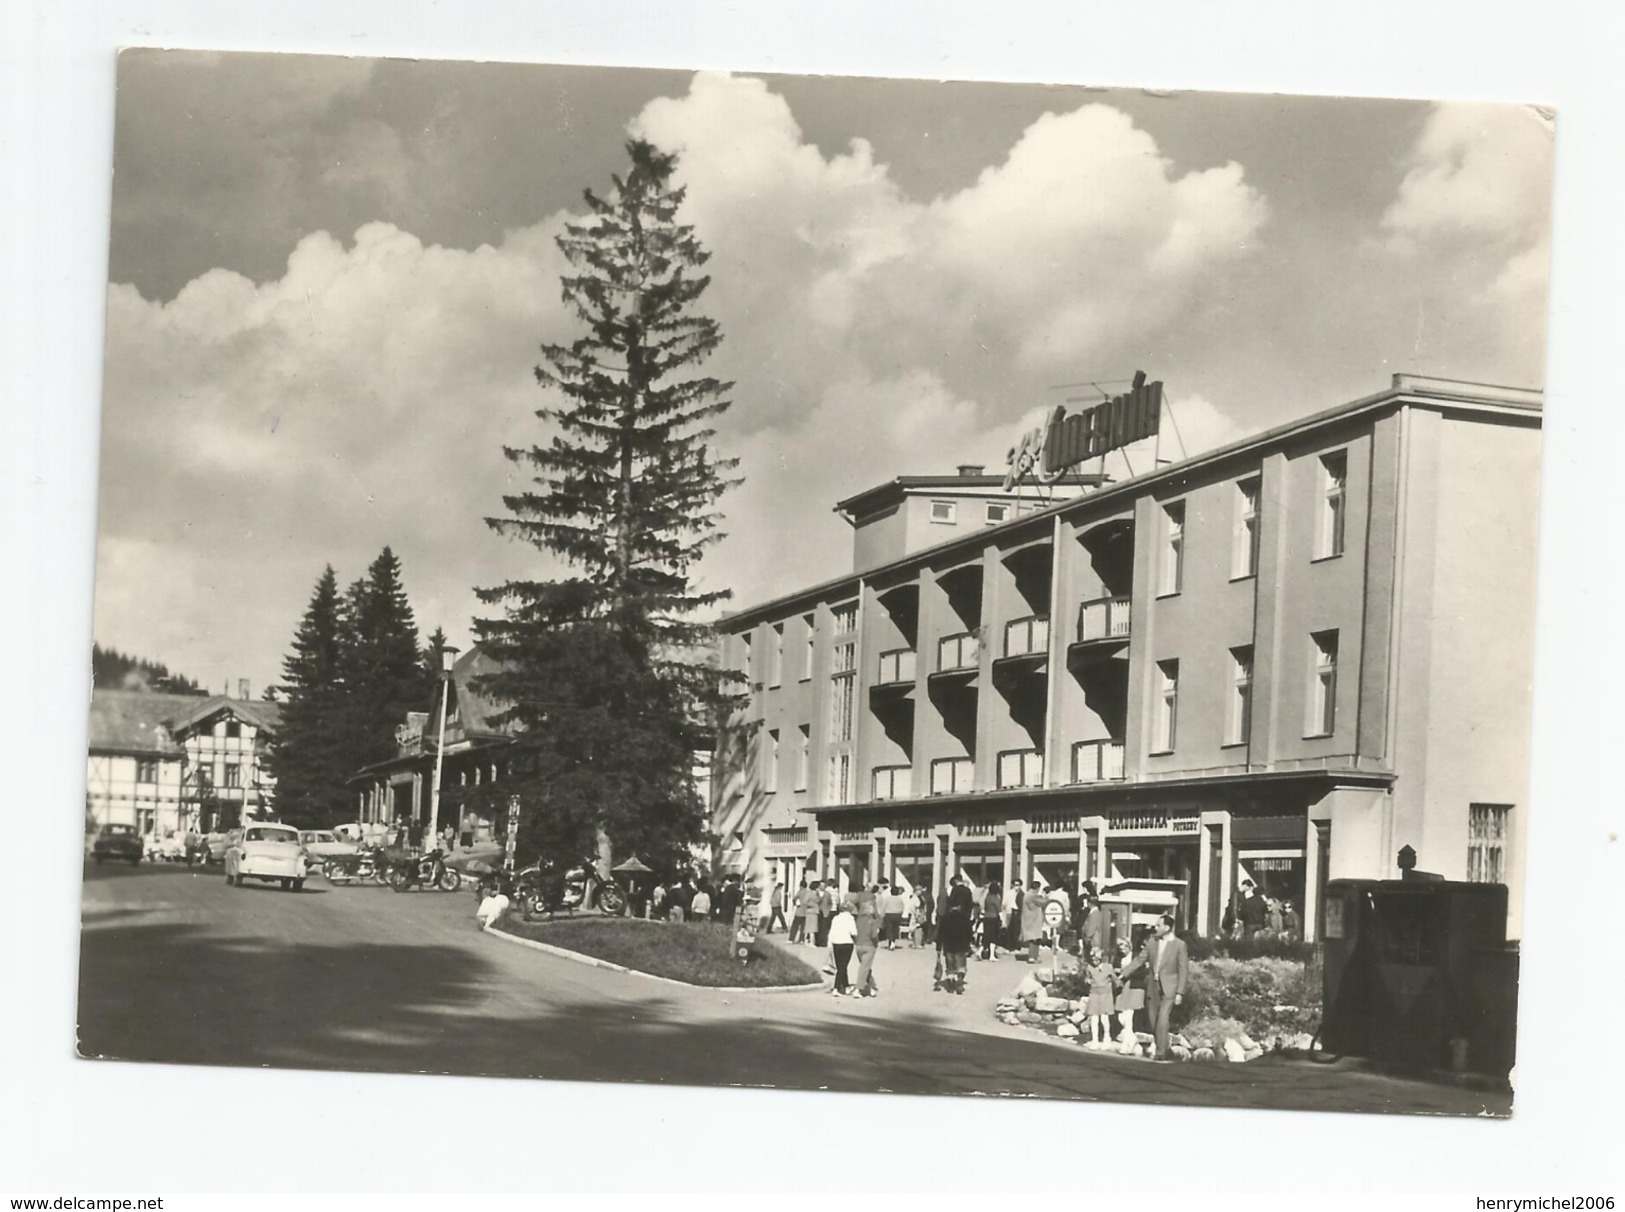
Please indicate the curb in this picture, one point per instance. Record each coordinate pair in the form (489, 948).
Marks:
(594, 962)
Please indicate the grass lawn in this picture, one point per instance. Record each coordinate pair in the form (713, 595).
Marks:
(700, 954)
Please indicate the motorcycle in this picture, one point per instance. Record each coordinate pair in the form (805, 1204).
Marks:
(424, 871)
(371, 864)
(542, 891)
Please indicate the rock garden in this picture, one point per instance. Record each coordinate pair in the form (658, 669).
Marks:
(1234, 1009)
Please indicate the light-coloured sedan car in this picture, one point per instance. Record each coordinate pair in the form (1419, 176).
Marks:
(324, 844)
(267, 851)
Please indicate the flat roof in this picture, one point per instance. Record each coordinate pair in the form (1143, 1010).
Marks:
(1406, 389)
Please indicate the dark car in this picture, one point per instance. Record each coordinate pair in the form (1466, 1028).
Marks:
(118, 842)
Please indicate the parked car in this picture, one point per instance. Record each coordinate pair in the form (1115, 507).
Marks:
(171, 849)
(269, 852)
(118, 842)
(323, 844)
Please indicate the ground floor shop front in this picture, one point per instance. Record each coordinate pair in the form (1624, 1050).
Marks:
(1186, 851)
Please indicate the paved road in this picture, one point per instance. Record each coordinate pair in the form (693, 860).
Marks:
(177, 967)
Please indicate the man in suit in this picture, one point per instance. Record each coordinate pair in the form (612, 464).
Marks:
(1168, 968)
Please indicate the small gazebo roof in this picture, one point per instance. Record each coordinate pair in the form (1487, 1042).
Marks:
(633, 867)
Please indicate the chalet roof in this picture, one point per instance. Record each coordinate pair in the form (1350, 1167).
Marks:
(254, 711)
(143, 722)
(134, 721)
(475, 711)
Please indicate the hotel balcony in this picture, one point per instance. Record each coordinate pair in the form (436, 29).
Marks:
(1103, 631)
(952, 776)
(1097, 761)
(1026, 637)
(896, 667)
(1103, 619)
(1020, 669)
(893, 782)
(958, 656)
(1020, 768)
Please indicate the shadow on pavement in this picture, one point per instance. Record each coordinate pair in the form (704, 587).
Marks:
(170, 993)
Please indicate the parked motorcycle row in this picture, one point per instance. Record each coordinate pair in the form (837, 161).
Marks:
(544, 890)
(403, 874)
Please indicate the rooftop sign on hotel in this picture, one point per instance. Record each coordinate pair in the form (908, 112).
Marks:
(1046, 453)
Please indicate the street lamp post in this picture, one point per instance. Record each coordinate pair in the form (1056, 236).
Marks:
(447, 655)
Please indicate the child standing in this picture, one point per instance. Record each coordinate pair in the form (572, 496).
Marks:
(1100, 1005)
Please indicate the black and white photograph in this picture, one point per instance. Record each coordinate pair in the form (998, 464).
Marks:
(657, 615)
(815, 583)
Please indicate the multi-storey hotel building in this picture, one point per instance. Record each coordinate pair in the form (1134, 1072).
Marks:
(1281, 661)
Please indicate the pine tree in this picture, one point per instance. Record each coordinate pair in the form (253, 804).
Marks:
(606, 673)
(313, 756)
(431, 656)
(383, 677)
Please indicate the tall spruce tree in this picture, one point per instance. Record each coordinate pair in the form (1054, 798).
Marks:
(312, 757)
(605, 673)
(383, 677)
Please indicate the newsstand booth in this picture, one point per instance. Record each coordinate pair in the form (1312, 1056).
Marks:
(1418, 974)
(1132, 907)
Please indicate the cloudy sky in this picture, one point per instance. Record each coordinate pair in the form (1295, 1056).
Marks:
(329, 279)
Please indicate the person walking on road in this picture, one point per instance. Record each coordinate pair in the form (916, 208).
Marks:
(1167, 967)
(954, 936)
(891, 915)
(992, 920)
(774, 901)
(825, 912)
(867, 915)
(843, 929)
(1032, 920)
(806, 913)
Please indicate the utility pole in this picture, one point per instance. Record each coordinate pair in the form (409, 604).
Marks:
(447, 656)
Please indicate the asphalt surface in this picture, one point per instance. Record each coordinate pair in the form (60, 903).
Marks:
(178, 967)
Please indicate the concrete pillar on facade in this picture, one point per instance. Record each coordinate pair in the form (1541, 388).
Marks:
(873, 874)
(1009, 860)
(1311, 879)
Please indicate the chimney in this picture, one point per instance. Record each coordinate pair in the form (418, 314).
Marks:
(242, 689)
(969, 469)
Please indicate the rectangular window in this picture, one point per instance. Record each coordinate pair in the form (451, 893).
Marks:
(997, 514)
(841, 692)
(770, 761)
(1241, 695)
(1173, 552)
(808, 650)
(1167, 705)
(942, 511)
(1323, 693)
(838, 788)
(1244, 559)
(1334, 473)
(747, 664)
(146, 771)
(845, 617)
(803, 755)
(1487, 842)
(234, 775)
(775, 655)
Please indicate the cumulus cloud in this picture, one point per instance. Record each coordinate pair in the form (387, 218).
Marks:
(1476, 199)
(1477, 170)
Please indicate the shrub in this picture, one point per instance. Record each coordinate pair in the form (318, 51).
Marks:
(1211, 1031)
(1260, 945)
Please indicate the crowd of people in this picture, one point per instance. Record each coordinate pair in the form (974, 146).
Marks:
(1255, 915)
